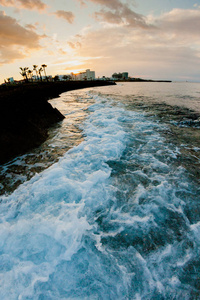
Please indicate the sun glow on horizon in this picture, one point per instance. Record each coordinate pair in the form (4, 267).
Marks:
(75, 71)
(75, 66)
(74, 62)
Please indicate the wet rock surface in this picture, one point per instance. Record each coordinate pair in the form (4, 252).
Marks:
(26, 115)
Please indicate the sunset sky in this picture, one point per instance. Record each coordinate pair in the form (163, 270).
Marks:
(157, 39)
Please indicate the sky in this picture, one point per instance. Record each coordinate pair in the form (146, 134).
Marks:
(150, 39)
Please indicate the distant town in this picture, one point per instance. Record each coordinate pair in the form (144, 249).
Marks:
(39, 74)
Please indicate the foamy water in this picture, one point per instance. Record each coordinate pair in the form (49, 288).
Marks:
(117, 217)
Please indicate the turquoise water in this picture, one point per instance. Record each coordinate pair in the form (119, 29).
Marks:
(116, 215)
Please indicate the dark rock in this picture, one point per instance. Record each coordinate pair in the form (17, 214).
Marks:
(26, 115)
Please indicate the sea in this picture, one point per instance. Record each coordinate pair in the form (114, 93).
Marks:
(109, 206)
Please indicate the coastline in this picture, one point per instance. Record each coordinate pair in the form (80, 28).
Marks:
(26, 115)
(142, 80)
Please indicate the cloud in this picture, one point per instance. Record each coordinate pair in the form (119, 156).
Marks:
(116, 12)
(112, 4)
(67, 15)
(15, 40)
(27, 4)
(180, 21)
(125, 17)
(108, 16)
(169, 48)
(62, 52)
(74, 45)
(7, 2)
(31, 27)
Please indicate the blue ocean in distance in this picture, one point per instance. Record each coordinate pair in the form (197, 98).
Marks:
(109, 206)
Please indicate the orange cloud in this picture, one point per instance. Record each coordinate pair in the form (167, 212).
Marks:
(74, 45)
(27, 4)
(15, 40)
(67, 15)
(119, 13)
(125, 17)
(113, 4)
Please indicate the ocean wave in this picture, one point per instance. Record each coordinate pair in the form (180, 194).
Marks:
(114, 218)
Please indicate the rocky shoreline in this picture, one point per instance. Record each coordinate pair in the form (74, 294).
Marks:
(26, 115)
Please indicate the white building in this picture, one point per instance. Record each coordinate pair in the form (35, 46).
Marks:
(90, 74)
(87, 75)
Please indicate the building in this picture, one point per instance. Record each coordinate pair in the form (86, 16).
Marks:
(120, 76)
(125, 75)
(90, 74)
(11, 80)
(87, 75)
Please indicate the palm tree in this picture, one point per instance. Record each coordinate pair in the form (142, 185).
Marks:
(45, 66)
(30, 74)
(39, 71)
(36, 70)
(24, 73)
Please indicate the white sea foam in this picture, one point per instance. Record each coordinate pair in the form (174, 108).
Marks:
(41, 222)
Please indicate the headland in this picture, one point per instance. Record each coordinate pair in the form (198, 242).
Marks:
(26, 114)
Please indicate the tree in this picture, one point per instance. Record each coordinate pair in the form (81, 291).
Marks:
(45, 66)
(40, 70)
(66, 77)
(24, 73)
(36, 70)
(30, 74)
(56, 78)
